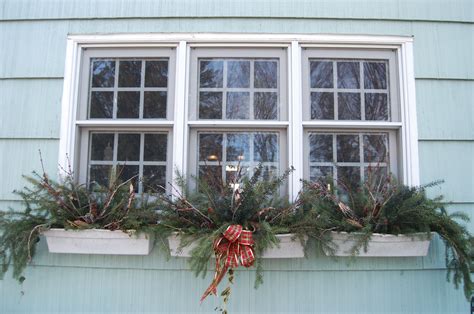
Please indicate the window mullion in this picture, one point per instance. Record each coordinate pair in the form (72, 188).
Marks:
(180, 128)
(295, 147)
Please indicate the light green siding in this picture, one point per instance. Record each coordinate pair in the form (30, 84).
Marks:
(32, 53)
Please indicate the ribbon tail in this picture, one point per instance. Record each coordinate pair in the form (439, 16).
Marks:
(213, 286)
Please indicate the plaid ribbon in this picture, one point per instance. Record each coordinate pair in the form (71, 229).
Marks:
(233, 248)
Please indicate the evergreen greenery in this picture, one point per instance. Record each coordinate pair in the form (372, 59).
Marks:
(69, 205)
(381, 205)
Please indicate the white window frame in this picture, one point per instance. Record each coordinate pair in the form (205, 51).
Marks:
(402, 45)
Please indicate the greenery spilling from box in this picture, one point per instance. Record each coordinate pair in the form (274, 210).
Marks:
(206, 213)
(382, 205)
(70, 205)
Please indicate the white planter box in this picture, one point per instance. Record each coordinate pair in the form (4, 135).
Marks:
(382, 245)
(98, 241)
(288, 248)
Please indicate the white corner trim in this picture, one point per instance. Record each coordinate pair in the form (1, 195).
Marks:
(409, 118)
(68, 106)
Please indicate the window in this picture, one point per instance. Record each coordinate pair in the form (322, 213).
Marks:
(328, 105)
(350, 85)
(125, 106)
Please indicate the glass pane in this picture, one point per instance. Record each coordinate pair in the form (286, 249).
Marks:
(154, 105)
(320, 146)
(154, 179)
(238, 105)
(320, 173)
(102, 146)
(347, 148)
(376, 148)
(103, 73)
(348, 106)
(348, 75)
(130, 73)
(128, 172)
(269, 172)
(266, 74)
(155, 147)
(156, 73)
(238, 74)
(238, 147)
(376, 106)
(100, 174)
(266, 147)
(321, 74)
(210, 105)
(374, 175)
(375, 75)
(322, 106)
(210, 147)
(128, 104)
(102, 105)
(211, 73)
(231, 171)
(265, 105)
(128, 147)
(212, 175)
(348, 177)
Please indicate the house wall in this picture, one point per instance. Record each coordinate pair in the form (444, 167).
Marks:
(32, 53)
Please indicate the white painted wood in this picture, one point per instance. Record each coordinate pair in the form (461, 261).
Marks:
(382, 245)
(241, 39)
(295, 136)
(352, 124)
(98, 241)
(288, 247)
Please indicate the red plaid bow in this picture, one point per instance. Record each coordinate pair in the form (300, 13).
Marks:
(234, 247)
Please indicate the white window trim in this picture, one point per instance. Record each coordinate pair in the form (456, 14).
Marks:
(403, 46)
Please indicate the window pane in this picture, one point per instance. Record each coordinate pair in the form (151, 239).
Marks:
(129, 172)
(155, 147)
(375, 75)
(154, 105)
(349, 106)
(376, 148)
(103, 73)
(212, 175)
(266, 74)
(100, 174)
(348, 177)
(102, 105)
(130, 73)
(211, 73)
(375, 174)
(376, 106)
(265, 105)
(128, 147)
(266, 147)
(348, 74)
(347, 148)
(321, 149)
(322, 106)
(128, 104)
(154, 179)
(238, 105)
(321, 74)
(102, 146)
(238, 74)
(238, 147)
(156, 73)
(321, 173)
(210, 105)
(210, 147)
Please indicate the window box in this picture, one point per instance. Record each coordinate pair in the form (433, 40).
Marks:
(98, 241)
(382, 245)
(288, 247)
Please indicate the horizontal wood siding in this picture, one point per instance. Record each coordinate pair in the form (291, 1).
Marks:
(32, 53)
